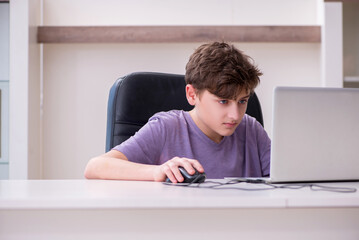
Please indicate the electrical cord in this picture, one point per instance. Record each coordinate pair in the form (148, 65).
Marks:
(233, 184)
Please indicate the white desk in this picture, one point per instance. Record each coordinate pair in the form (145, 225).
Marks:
(95, 209)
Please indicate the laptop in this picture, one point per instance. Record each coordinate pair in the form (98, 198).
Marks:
(315, 135)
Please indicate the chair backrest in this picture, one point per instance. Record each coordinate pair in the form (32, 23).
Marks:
(136, 97)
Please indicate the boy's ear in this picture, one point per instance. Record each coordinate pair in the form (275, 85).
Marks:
(191, 94)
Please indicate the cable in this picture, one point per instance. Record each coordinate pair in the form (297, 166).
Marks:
(315, 187)
(268, 186)
(216, 185)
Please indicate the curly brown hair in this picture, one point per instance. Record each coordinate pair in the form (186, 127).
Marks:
(221, 69)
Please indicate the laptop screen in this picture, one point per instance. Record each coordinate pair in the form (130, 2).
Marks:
(315, 134)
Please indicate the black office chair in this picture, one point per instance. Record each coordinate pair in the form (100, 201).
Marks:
(136, 97)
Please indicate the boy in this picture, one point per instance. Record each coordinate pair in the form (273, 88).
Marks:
(216, 137)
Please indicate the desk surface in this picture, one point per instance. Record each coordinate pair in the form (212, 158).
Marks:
(106, 194)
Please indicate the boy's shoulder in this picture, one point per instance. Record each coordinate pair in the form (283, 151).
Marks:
(250, 119)
(252, 128)
(172, 114)
(250, 122)
(171, 117)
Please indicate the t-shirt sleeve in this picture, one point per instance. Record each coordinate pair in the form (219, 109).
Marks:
(146, 145)
(264, 149)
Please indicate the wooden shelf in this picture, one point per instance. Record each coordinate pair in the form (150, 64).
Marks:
(175, 34)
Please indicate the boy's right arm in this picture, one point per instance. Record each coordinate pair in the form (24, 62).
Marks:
(115, 165)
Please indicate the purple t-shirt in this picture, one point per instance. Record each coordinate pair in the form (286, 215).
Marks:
(246, 153)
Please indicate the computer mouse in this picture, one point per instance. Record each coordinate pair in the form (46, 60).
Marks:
(197, 177)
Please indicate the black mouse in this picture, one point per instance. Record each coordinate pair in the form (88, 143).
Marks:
(197, 177)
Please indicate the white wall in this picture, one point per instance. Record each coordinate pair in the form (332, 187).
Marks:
(4, 41)
(332, 45)
(351, 39)
(77, 77)
(4, 90)
(184, 12)
(24, 88)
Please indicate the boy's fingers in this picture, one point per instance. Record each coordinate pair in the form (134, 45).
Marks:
(168, 172)
(188, 167)
(195, 164)
(177, 174)
(199, 167)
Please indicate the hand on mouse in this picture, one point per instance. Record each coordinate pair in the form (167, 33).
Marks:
(170, 169)
(197, 177)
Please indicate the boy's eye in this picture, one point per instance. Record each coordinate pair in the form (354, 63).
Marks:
(223, 101)
(244, 101)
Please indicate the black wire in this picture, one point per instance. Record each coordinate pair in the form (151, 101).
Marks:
(216, 185)
(221, 186)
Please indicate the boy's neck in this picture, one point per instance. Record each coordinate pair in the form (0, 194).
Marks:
(199, 124)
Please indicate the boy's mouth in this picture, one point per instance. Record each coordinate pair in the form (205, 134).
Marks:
(230, 125)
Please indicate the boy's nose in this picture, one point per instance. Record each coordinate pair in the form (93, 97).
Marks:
(234, 113)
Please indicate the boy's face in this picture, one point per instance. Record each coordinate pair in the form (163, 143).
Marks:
(217, 117)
